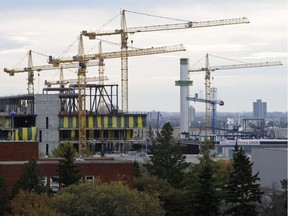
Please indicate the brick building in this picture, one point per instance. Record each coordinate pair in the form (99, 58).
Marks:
(14, 155)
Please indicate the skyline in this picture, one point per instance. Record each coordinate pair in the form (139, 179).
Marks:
(50, 27)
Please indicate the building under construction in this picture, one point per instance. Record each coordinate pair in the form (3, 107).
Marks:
(52, 118)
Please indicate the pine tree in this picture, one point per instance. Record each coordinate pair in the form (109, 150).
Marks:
(201, 184)
(242, 191)
(31, 179)
(205, 196)
(3, 196)
(167, 160)
(67, 171)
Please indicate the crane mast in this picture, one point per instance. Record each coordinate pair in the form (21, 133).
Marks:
(101, 65)
(207, 69)
(124, 63)
(81, 98)
(124, 31)
(30, 74)
(207, 92)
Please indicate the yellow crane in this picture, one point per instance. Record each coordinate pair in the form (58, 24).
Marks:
(117, 54)
(73, 81)
(208, 70)
(124, 31)
(83, 60)
(38, 68)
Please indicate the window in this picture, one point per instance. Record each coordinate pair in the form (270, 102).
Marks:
(40, 135)
(47, 149)
(47, 122)
(53, 184)
(89, 178)
(44, 181)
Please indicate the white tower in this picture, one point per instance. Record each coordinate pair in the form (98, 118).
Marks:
(184, 84)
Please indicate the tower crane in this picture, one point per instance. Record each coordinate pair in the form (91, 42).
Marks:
(83, 60)
(213, 103)
(124, 31)
(81, 98)
(117, 54)
(30, 69)
(66, 81)
(208, 69)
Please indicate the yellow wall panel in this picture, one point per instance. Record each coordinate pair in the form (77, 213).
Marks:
(105, 121)
(99, 122)
(74, 121)
(114, 122)
(140, 123)
(24, 133)
(91, 134)
(90, 122)
(65, 122)
(34, 133)
(122, 122)
(111, 134)
(73, 134)
(16, 134)
(131, 122)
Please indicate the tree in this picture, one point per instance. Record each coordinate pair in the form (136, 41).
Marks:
(242, 191)
(167, 160)
(272, 203)
(283, 183)
(67, 171)
(28, 203)
(204, 196)
(31, 179)
(173, 199)
(136, 169)
(3, 196)
(101, 199)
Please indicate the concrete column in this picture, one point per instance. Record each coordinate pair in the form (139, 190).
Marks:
(184, 84)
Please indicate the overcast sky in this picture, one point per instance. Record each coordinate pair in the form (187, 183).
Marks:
(50, 27)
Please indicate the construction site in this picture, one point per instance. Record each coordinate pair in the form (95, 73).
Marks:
(91, 113)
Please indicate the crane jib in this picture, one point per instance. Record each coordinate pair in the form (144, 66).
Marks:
(176, 26)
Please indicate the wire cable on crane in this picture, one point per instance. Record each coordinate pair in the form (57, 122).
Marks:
(162, 17)
(197, 62)
(109, 21)
(21, 61)
(68, 48)
(105, 41)
(201, 59)
(101, 28)
(39, 53)
(111, 43)
(227, 58)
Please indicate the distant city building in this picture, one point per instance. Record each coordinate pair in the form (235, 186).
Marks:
(259, 109)
(191, 114)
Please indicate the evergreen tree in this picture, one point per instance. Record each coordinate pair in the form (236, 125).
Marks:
(201, 185)
(31, 179)
(284, 187)
(205, 196)
(242, 191)
(67, 171)
(172, 199)
(167, 160)
(3, 196)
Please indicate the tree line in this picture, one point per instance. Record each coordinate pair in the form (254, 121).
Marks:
(163, 185)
